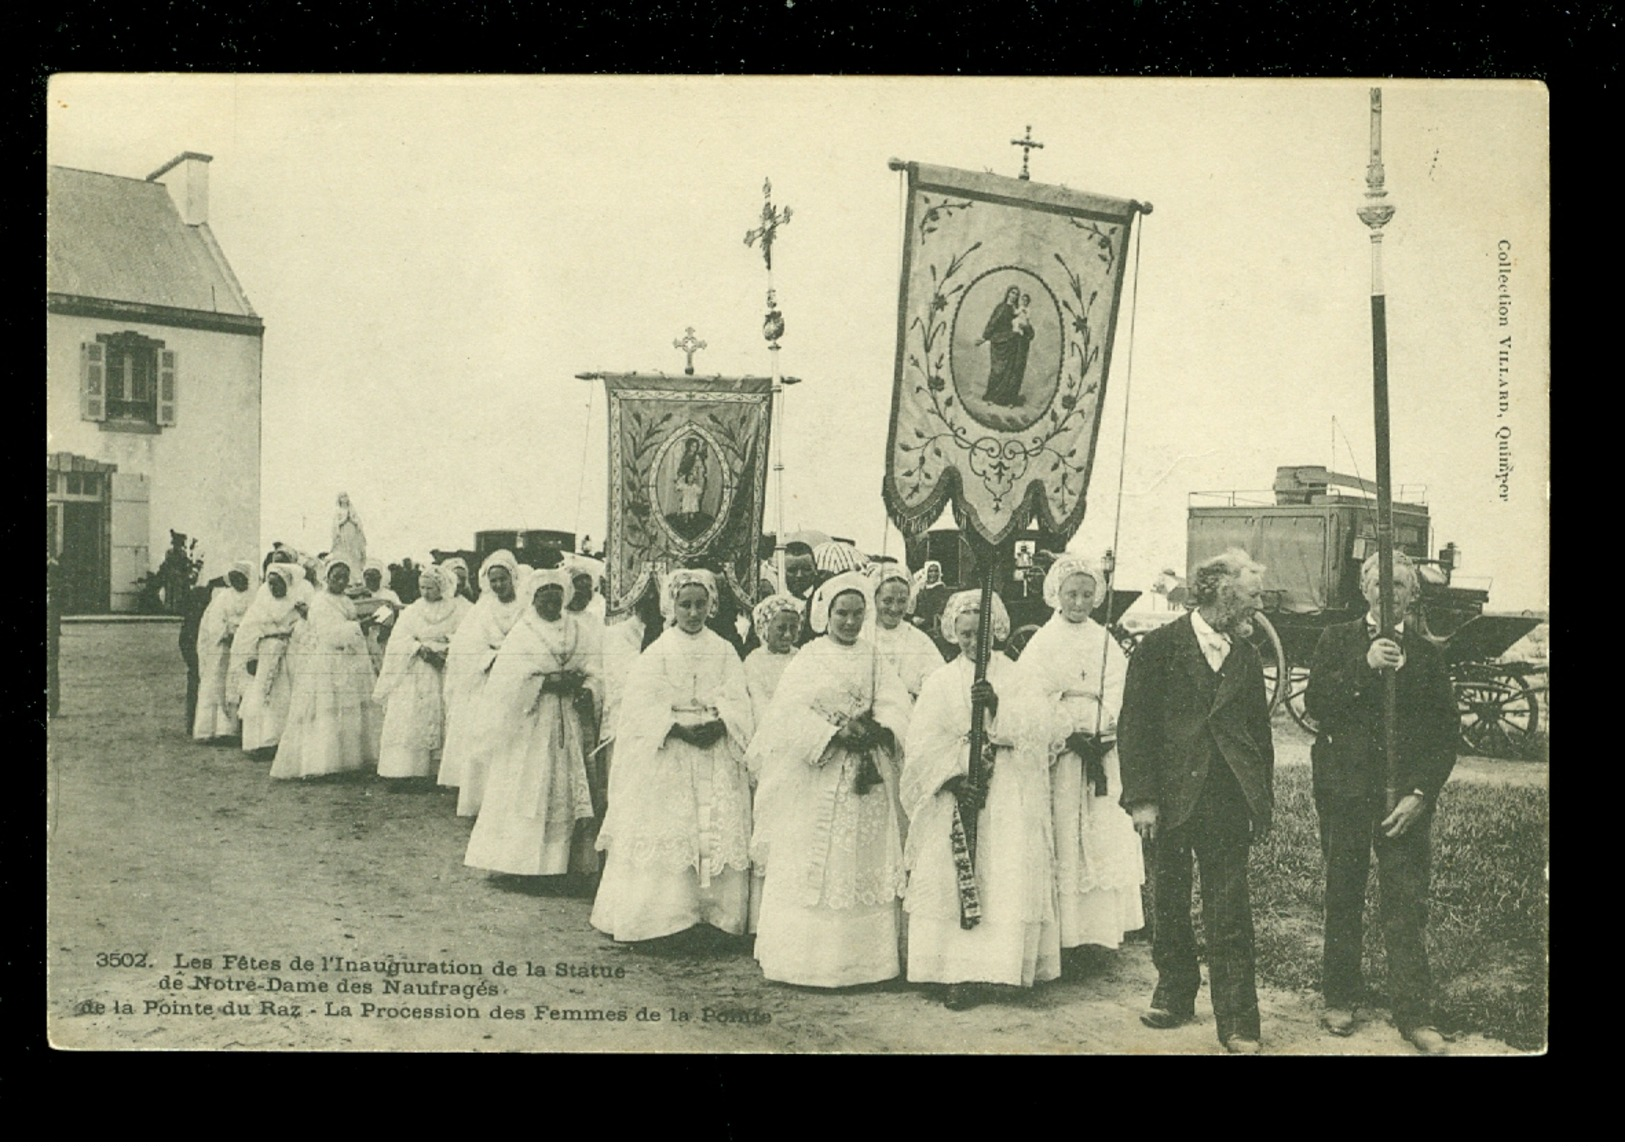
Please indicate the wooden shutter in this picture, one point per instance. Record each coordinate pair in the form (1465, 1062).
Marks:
(93, 382)
(166, 387)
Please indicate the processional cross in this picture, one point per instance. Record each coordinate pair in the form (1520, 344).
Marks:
(771, 222)
(688, 344)
(1027, 144)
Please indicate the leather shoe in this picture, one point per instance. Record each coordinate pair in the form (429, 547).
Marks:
(1338, 1020)
(1162, 1019)
(1241, 1044)
(1428, 1040)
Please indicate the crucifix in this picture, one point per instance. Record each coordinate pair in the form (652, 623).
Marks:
(1027, 144)
(771, 222)
(688, 344)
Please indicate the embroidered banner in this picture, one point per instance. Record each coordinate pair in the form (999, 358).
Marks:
(687, 478)
(1007, 307)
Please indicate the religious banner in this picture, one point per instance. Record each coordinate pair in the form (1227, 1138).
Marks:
(687, 478)
(1007, 308)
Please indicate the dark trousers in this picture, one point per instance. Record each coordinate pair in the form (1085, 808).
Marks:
(1349, 833)
(194, 683)
(1218, 834)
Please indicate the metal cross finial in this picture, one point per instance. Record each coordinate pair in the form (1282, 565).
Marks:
(771, 222)
(1026, 144)
(688, 344)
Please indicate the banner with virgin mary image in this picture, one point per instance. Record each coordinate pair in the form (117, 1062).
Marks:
(687, 478)
(1007, 308)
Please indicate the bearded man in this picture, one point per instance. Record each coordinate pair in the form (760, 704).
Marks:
(1198, 767)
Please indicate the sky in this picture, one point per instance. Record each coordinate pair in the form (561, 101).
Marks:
(437, 258)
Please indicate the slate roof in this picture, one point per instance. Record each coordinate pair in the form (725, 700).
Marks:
(121, 239)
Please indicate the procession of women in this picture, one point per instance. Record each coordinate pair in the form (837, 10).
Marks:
(803, 802)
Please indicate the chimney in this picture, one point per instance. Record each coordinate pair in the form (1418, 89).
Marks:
(187, 178)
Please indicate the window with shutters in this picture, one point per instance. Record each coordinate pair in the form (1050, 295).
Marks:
(129, 382)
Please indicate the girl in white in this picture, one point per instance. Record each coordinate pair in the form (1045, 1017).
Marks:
(412, 679)
(329, 727)
(259, 655)
(544, 695)
(828, 836)
(218, 689)
(1016, 941)
(778, 621)
(677, 832)
(1099, 866)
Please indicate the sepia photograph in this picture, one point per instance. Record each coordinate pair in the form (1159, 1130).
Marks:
(683, 564)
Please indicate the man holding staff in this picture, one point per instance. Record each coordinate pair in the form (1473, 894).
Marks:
(1345, 696)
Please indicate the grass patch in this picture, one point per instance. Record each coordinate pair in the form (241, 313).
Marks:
(1488, 913)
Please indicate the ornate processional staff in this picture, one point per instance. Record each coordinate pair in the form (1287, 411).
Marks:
(1376, 214)
(772, 331)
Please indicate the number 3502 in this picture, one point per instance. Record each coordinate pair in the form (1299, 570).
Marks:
(121, 959)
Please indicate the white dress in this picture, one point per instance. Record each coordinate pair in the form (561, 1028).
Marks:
(677, 832)
(763, 668)
(1099, 865)
(263, 638)
(411, 689)
(216, 697)
(470, 728)
(831, 859)
(910, 652)
(330, 714)
(1017, 941)
(537, 788)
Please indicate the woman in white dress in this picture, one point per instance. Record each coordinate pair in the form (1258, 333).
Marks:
(330, 714)
(677, 834)
(412, 681)
(218, 690)
(581, 595)
(543, 691)
(1099, 864)
(828, 836)
(468, 672)
(1016, 941)
(777, 620)
(910, 652)
(259, 655)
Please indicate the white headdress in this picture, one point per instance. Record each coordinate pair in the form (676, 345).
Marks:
(1066, 565)
(883, 571)
(970, 601)
(770, 607)
(824, 596)
(681, 578)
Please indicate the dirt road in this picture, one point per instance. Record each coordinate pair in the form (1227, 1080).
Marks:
(196, 904)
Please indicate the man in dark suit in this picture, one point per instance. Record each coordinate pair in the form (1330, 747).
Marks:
(1199, 778)
(1345, 696)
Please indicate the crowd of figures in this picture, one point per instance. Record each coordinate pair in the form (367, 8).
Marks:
(791, 778)
(802, 776)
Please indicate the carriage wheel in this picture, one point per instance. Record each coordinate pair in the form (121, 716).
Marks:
(1018, 641)
(1297, 689)
(1273, 654)
(1498, 711)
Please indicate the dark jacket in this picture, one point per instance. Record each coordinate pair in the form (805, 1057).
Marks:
(1345, 697)
(1180, 718)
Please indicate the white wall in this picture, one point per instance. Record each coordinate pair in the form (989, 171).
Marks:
(205, 469)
